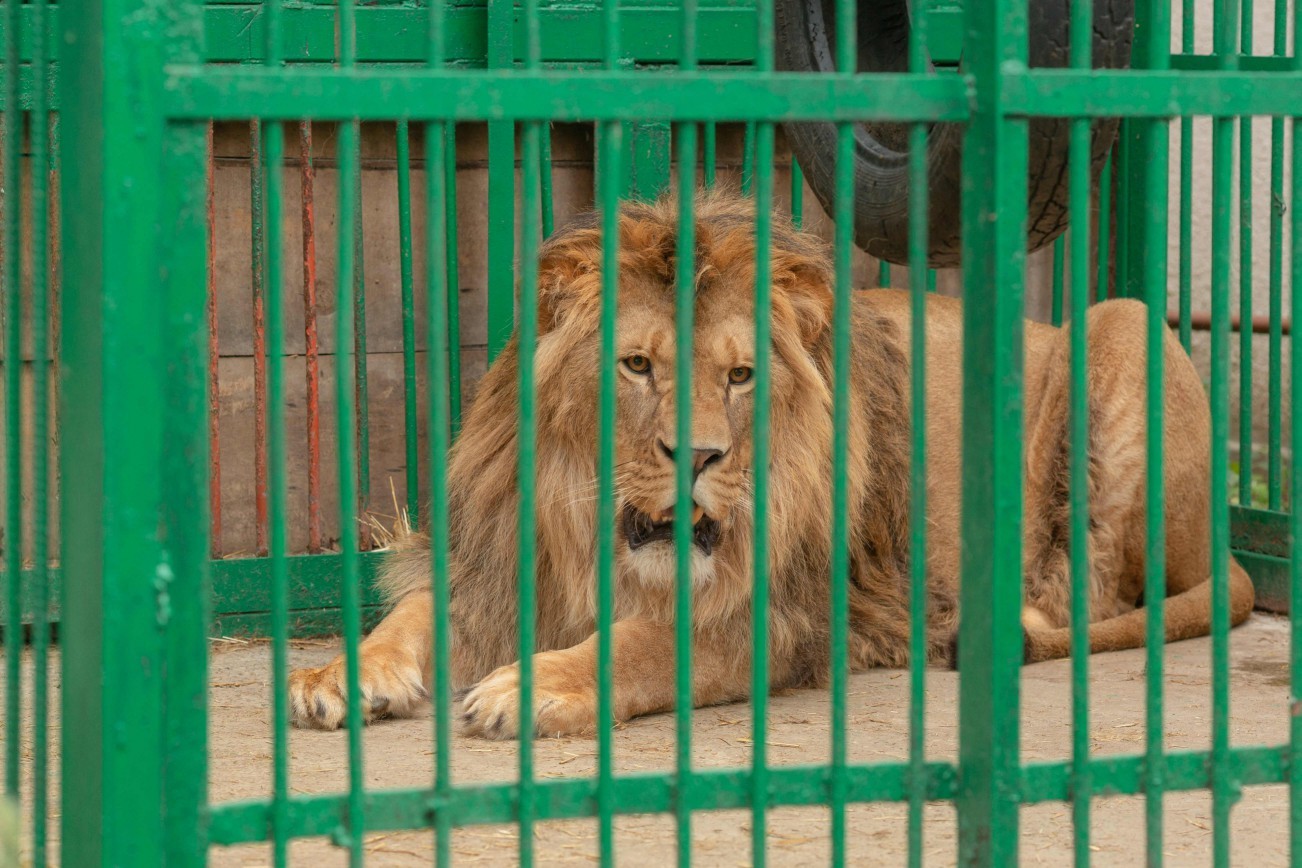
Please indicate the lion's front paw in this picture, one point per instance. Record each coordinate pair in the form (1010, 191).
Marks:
(391, 683)
(564, 701)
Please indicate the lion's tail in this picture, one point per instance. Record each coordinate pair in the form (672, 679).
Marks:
(1188, 615)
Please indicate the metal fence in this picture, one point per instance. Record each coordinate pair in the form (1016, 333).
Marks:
(109, 332)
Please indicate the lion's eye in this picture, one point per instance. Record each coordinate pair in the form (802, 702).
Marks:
(739, 375)
(638, 364)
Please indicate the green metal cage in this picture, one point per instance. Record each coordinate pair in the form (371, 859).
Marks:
(111, 399)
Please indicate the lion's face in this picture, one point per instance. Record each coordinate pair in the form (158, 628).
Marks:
(723, 386)
(723, 378)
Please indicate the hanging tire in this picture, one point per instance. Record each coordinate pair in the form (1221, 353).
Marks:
(805, 39)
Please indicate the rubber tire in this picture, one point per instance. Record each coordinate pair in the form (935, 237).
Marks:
(804, 40)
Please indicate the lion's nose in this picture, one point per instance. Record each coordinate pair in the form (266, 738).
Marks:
(702, 457)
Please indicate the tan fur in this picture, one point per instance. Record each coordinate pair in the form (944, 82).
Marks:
(483, 498)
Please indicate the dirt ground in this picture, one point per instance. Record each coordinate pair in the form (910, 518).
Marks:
(399, 754)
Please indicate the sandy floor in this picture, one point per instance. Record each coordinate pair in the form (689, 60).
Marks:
(400, 754)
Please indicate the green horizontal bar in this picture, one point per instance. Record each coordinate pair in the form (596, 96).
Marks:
(242, 587)
(1130, 93)
(1125, 776)
(1249, 63)
(1259, 530)
(245, 822)
(725, 33)
(555, 95)
(1270, 579)
(303, 623)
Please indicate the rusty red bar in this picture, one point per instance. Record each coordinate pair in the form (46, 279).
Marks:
(311, 347)
(259, 339)
(214, 354)
(1201, 320)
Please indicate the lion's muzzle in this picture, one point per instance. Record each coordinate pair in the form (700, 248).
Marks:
(641, 528)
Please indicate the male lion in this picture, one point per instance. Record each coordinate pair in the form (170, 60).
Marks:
(396, 657)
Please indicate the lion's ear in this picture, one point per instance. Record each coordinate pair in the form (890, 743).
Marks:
(569, 274)
(803, 272)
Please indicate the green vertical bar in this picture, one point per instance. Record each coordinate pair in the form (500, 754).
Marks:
(1078, 234)
(441, 356)
(273, 152)
(763, 169)
(1295, 494)
(181, 581)
(346, 370)
(1078, 167)
(1105, 229)
(545, 170)
(1186, 221)
(1059, 265)
(1149, 263)
(686, 299)
(760, 471)
(1222, 149)
(840, 578)
(709, 148)
(648, 166)
(1245, 279)
(530, 230)
(1224, 788)
(1275, 386)
(797, 195)
(1186, 192)
(449, 162)
(501, 185)
(610, 177)
(40, 160)
(748, 159)
(13, 356)
(1130, 178)
(846, 47)
(990, 643)
(362, 362)
(611, 144)
(684, 329)
(1149, 51)
(918, 279)
(257, 251)
(116, 574)
(883, 274)
(528, 434)
(408, 321)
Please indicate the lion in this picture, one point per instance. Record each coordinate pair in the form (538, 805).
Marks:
(396, 657)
